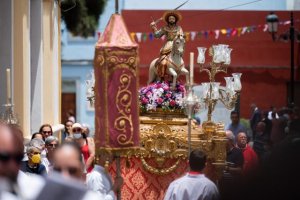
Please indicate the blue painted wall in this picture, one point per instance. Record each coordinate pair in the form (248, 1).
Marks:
(79, 74)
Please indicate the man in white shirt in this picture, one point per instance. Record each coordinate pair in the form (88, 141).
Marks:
(194, 185)
(100, 181)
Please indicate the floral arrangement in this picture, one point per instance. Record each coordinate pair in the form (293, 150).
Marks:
(160, 95)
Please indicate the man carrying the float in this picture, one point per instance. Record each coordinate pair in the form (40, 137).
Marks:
(171, 30)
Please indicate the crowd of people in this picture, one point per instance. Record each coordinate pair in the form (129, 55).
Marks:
(266, 128)
(49, 168)
(262, 159)
(43, 167)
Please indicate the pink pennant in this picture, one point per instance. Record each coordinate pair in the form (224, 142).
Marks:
(234, 31)
(265, 28)
(217, 33)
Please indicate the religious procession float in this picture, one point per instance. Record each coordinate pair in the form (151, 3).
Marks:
(150, 130)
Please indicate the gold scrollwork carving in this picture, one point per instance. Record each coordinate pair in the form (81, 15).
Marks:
(100, 60)
(163, 139)
(161, 142)
(124, 62)
(123, 103)
(158, 171)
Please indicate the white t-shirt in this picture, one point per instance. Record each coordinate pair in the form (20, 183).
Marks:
(192, 186)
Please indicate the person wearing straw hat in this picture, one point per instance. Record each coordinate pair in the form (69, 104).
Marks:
(170, 31)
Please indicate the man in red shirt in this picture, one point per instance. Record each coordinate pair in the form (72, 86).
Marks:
(250, 157)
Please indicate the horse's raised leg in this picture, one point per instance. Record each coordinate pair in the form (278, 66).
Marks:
(187, 75)
(173, 73)
(152, 73)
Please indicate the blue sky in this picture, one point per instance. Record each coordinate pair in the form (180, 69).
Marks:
(205, 4)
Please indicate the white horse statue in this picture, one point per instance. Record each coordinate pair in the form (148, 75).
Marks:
(175, 64)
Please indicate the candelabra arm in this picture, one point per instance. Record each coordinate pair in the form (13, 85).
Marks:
(202, 69)
(211, 107)
(227, 100)
(215, 69)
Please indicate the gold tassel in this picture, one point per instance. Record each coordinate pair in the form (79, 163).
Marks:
(106, 165)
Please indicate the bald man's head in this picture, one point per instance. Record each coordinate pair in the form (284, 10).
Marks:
(68, 160)
(241, 139)
(11, 151)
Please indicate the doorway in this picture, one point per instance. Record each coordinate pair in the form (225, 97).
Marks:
(68, 99)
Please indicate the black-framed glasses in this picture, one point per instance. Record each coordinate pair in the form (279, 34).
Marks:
(71, 170)
(77, 130)
(6, 157)
(49, 132)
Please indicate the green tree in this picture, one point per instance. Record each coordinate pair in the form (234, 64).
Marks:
(81, 16)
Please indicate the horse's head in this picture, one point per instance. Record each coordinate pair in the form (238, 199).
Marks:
(178, 44)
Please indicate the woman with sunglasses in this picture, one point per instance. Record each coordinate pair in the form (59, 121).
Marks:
(51, 144)
(86, 144)
(46, 130)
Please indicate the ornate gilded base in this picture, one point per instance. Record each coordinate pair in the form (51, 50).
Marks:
(164, 143)
(166, 137)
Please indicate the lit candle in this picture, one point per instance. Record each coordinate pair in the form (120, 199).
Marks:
(191, 68)
(8, 85)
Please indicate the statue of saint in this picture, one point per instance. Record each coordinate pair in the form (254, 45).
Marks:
(170, 31)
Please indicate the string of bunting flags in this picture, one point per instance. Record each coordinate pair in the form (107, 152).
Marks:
(193, 35)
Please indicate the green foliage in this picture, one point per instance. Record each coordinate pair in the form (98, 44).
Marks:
(82, 20)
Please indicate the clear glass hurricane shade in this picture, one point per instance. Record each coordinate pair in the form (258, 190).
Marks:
(190, 100)
(201, 55)
(237, 85)
(228, 56)
(229, 85)
(223, 52)
(206, 87)
(216, 53)
(215, 90)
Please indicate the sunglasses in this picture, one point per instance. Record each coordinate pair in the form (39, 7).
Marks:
(52, 145)
(76, 130)
(49, 132)
(6, 157)
(71, 170)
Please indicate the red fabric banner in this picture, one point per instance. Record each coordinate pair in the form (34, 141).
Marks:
(116, 88)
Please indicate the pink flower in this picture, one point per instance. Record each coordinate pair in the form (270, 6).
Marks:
(168, 95)
(148, 94)
(159, 101)
(172, 103)
(145, 100)
(166, 87)
(158, 85)
(181, 88)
